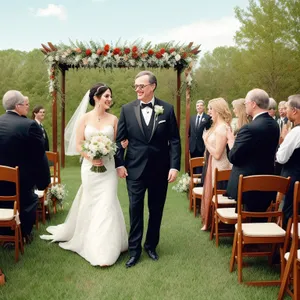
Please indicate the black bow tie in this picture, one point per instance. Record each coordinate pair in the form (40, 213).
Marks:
(143, 105)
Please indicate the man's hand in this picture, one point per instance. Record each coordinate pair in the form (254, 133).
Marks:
(172, 175)
(122, 172)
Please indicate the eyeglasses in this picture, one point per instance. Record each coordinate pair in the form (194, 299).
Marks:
(140, 86)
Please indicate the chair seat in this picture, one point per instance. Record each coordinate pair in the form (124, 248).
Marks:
(196, 180)
(54, 181)
(39, 193)
(286, 256)
(6, 214)
(228, 212)
(223, 200)
(198, 190)
(292, 230)
(262, 230)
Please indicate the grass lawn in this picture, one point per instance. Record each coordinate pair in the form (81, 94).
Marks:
(190, 266)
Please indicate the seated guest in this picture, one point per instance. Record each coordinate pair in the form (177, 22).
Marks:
(253, 150)
(272, 108)
(38, 114)
(241, 118)
(289, 154)
(215, 141)
(22, 145)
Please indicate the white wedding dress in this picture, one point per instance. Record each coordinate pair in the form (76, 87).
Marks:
(95, 226)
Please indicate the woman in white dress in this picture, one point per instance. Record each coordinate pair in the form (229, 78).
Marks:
(95, 226)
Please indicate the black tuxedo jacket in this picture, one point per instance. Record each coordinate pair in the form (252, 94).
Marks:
(253, 152)
(160, 153)
(195, 134)
(22, 144)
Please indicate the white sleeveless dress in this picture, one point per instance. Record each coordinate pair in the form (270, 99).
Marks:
(95, 226)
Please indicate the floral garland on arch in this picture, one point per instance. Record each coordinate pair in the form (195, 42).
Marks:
(93, 55)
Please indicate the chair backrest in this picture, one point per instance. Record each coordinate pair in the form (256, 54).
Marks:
(263, 183)
(296, 217)
(53, 158)
(220, 175)
(8, 174)
(196, 162)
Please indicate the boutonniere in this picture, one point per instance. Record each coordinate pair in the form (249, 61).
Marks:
(203, 120)
(158, 109)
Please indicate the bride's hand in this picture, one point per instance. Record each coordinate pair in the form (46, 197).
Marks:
(124, 144)
(97, 162)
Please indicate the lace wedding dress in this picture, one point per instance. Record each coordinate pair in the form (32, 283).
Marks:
(95, 226)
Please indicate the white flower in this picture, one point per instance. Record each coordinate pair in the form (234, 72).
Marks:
(57, 58)
(177, 57)
(50, 58)
(158, 109)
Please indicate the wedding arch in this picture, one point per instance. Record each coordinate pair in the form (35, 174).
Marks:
(104, 56)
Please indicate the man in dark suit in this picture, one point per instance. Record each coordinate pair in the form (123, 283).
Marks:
(38, 114)
(198, 123)
(152, 160)
(253, 150)
(22, 145)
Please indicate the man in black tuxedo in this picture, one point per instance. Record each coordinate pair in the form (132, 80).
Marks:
(198, 123)
(253, 150)
(22, 145)
(152, 160)
(38, 114)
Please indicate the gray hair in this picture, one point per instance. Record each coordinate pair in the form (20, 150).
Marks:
(260, 97)
(294, 101)
(272, 103)
(200, 102)
(281, 103)
(11, 99)
(152, 78)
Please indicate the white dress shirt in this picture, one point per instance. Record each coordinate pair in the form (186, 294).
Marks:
(289, 144)
(147, 112)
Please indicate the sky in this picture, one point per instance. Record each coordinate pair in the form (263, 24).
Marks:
(25, 24)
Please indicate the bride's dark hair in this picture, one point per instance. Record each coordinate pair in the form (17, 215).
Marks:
(98, 90)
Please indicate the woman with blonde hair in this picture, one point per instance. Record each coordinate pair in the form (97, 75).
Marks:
(241, 119)
(215, 142)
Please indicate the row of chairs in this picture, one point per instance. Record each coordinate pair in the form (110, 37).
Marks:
(245, 232)
(9, 217)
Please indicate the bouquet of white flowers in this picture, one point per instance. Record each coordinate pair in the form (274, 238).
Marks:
(97, 147)
(183, 184)
(57, 193)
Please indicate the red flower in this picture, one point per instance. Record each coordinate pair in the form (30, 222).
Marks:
(126, 50)
(88, 52)
(135, 55)
(116, 51)
(52, 77)
(99, 52)
(106, 48)
(104, 53)
(150, 52)
(171, 50)
(162, 50)
(134, 49)
(184, 55)
(158, 54)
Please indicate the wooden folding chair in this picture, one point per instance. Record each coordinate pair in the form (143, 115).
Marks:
(291, 261)
(223, 208)
(257, 233)
(43, 205)
(195, 192)
(9, 217)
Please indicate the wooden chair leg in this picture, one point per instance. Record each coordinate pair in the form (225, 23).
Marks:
(16, 243)
(285, 277)
(296, 280)
(217, 231)
(212, 229)
(195, 205)
(43, 213)
(240, 258)
(233, 254)
(191, 201)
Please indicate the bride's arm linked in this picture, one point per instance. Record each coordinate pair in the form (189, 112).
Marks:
(80, 139)
(221, 141)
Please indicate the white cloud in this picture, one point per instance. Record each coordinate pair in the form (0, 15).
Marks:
(58, 11)
(209, 33)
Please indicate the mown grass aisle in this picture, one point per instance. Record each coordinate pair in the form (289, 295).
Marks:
(190, 266)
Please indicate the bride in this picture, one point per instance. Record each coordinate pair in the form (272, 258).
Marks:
(95, 226)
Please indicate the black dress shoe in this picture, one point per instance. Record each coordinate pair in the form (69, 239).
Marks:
(132, 261)
(152, 254)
